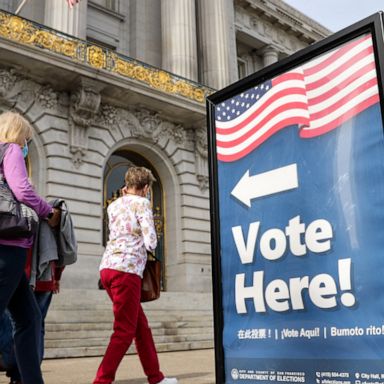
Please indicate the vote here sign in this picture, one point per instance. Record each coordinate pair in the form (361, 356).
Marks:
(297, 188)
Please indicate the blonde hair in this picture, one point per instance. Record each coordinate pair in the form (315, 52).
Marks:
(14, 128)
(138, 177)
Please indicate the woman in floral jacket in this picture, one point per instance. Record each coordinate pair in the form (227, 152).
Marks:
(131, 234)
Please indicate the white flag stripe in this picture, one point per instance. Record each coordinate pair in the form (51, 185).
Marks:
(272, 122)
(340, 78)
(268, 111)
(318, 123)
(328, 91)
(337, 63)
(322, 58)
(319, 59)
(270, 94)
(342, 92)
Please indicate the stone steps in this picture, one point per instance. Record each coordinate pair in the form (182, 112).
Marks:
(99, 350)
(158, 329)
(79, 323)
(103, 341)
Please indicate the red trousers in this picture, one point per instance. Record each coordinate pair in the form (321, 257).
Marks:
(130, 323)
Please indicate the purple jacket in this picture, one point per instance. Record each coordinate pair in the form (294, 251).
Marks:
(15, 173)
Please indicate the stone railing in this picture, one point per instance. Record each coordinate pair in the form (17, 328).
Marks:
(32, 34)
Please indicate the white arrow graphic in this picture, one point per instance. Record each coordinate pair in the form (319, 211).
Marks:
(266, 183)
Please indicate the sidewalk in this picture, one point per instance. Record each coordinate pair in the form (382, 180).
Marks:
(190, 367)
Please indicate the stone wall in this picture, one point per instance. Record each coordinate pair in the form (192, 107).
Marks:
(76, 132)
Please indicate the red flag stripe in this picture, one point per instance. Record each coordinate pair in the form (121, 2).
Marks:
(289, 81)
(263, 123)
(316, 65)
(223, 156)
(338, 85)
(343, 84)
(265, 109)
(307, 133)
(343, 100)
(362, 58)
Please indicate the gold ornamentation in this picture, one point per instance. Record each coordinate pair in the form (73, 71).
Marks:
(18, 29)
(96, 57)
(159, 222)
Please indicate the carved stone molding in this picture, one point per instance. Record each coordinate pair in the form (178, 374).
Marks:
(149, 122)
(140, 123)
(7, 81)
(173, 131)
(83, 108)
(108, 115)
(19, 90)
(201, 157)
(154, 127)
(47, 97)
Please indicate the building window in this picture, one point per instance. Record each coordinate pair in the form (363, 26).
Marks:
(241, 68)
(112, 5)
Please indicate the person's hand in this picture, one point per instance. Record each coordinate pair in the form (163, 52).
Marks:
(55, 219)
(57, 287)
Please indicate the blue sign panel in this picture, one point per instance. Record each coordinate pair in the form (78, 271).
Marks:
(300, 175)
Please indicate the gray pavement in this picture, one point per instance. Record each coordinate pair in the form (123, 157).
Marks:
(189, 367)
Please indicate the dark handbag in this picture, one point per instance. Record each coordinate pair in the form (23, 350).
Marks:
(16, 219)
(151, 283)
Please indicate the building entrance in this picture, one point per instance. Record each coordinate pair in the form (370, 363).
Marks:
(114, 173)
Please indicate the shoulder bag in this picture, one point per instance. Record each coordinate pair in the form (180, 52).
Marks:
(151, 283)
(16, 219)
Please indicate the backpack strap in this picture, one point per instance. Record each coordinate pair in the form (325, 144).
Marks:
(3, 149)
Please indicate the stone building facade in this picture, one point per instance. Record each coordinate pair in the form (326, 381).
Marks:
(112, 83)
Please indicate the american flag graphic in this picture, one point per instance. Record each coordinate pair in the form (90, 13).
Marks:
(71, 3)
(318, 96)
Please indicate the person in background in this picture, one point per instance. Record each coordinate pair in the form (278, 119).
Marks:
(131, 234)
(53, 249)
(43, 292)
(15, 292)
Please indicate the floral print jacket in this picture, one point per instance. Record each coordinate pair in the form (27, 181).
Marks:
(131, 234)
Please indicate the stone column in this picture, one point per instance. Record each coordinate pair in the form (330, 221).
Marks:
(270, 55)
(73, 21)
(217, 42)
(179, 39)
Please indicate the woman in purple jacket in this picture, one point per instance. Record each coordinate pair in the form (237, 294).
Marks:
(15, 292)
